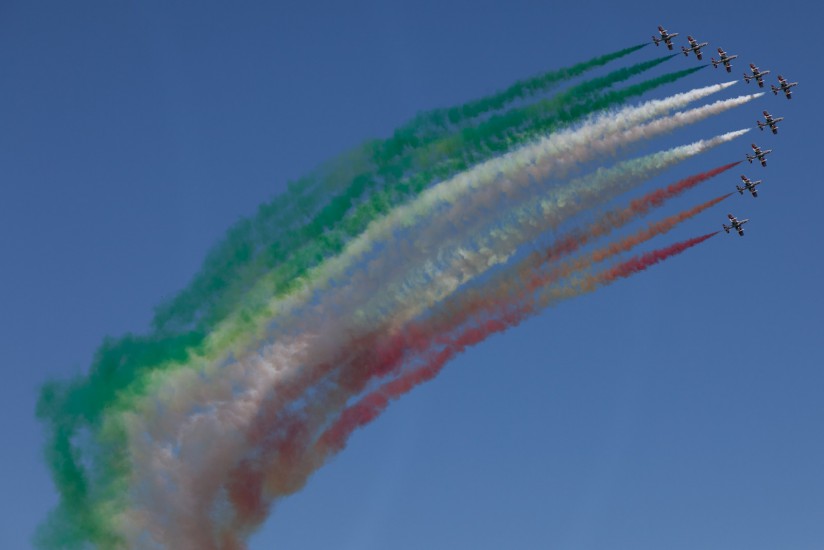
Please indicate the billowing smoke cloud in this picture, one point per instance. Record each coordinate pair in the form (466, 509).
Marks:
(309, 318)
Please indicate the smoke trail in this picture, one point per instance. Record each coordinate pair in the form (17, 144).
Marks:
(377, 358)
(249, 248)
(421, 127)
(514, 281)
(630, 267)
(487, 174)
(348, 215)
(466, 245)
(263, 379)
(226, 446)
(260, 380)
(120, 363)
(575, 238)
(480, 188)
(341, 184)
(299, 466)
(369, 407)
(519, 90)
(497, 134)
(509, 286)
(613, 249)
(194, 504)
(81, 403)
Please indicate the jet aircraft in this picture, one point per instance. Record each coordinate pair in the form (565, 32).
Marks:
(735, 224)
(725, 60)
(759, 154)
(757, 75)
(666, 37)
(784, 87)
(772, 122)
(748, 186)
(694, 47)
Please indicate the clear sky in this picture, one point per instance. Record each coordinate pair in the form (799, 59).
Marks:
(680, 408)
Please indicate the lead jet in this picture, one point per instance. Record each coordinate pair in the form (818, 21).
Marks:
(757, 75)
(694, 47)
(666, 37)
(759, 154)
(772, 122)
(784, 87)
(735, 224)
(748, 186)
(725, 59)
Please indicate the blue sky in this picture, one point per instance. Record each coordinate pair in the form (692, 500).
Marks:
(678, 409)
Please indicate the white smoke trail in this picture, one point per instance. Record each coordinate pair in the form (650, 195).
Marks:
(568, 149)
(189, 437)
(448, 254)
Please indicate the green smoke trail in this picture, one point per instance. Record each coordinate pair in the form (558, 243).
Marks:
(79, 406)
(305, 198)
(424, 128)
(348, 213)
(501, 133)
(285, 274)
(118, 361)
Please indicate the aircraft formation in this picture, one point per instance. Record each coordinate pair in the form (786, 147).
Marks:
(770, 121)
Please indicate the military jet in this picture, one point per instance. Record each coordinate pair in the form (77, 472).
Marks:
(735, 224)
(784, 87)
(772, 122)
(748, 186)
(694, 47)
(759, 154)
(666, 37)
(757, 75)
(725, 60)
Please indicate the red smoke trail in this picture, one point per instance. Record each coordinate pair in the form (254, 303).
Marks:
(381, 355)
(617, 218)
(575, 239)
(378, 354)
(640, 263)
(362, 350)
(653, 229)
(371, 405)
(527, 279)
